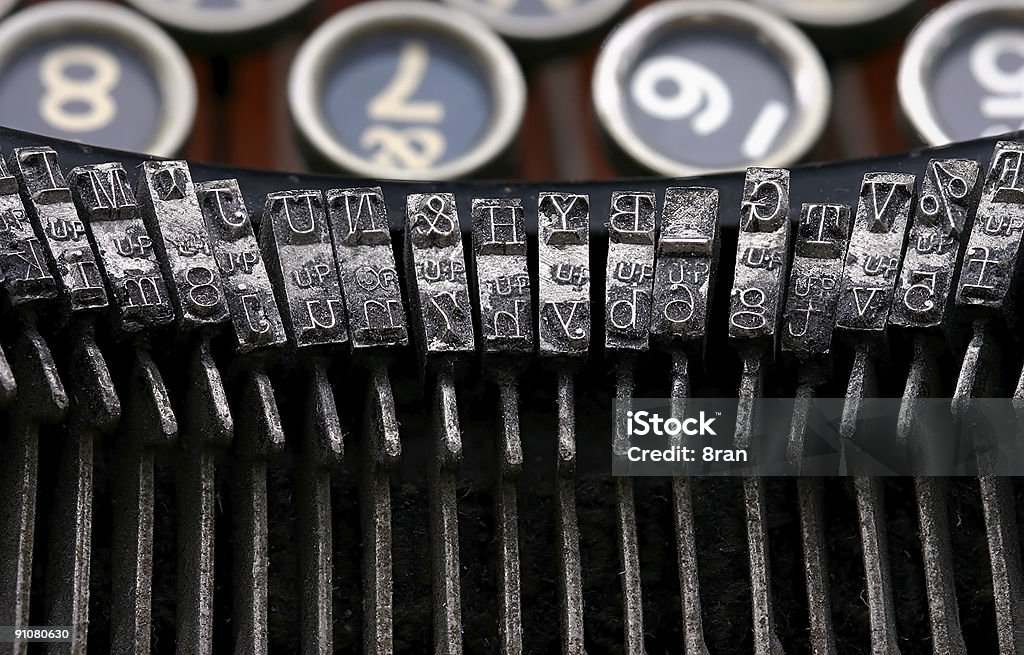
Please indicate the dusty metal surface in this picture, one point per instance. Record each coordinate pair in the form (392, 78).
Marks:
(179, 508)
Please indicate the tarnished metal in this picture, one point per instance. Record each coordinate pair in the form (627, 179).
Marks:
(258, 435)
(563, 325)
(48, 201)
(823, 234)
(815, 275)
(563, 224)
(986, 292)
(950, 190)
(170, 209)
(439, 292)
(755, 306)
(148, 422)
(139, 298)
(182, 240)
(377, 324)
(629, 296)
(94, 408)
(687, 258)
(25, 273)
(139, 302)
(874, 254)
(369, 279)
(683, 279)
(296, 242)
(42, 399)
(437, 275)
(246, 285)
(506, 325)
(869, 279)
(629, 288)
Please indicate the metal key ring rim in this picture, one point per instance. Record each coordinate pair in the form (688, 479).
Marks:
(811, 86)
(508, 86)
(936, 32)
(175, 82)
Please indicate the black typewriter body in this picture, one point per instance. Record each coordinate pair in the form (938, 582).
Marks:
(250, 411)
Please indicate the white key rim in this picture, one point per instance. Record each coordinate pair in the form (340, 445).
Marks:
(539, 28)
(811, 86)
(816, 13)
(218, 21)
(508, 85)
(925, 45)
(170, 68)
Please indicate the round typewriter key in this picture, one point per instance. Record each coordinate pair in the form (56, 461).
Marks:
(685, 88)
(847, 26)
(406, 90)
(962, 71)
(533, 21)
(98, 73)
(220, 17)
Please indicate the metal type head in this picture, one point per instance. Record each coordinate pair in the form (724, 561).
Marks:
(629, 282)
(987, 277)
(816, 272)
(24, 270)
(762, 251)
(59, 228)
(875, 251)
(686, 260)
(950, 191)
(502, 278)
(139, 295)
(563, 254)
(436, 273)
(170, 209)
(362, 243)
(250, 296)
(296, 243)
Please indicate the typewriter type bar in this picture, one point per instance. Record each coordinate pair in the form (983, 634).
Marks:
(563, 326)
(379, 331)
(869, 280)
(823, 235)
(755, 306)
(506, 326)
(259, 334)
(950, 190)
(139, 303)
(296, 242)
(683, 279)
(986, 293)
(95, 407)
(629, 291)
(170, 208)
(436, 272)
(42, 399)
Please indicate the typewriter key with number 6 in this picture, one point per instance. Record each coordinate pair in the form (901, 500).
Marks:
(685, 88)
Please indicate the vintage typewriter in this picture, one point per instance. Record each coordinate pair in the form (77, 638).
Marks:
(372, 405)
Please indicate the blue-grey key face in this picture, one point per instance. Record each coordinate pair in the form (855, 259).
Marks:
(99, 91)
(977, 84)
(710, 98)
(407, 100)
